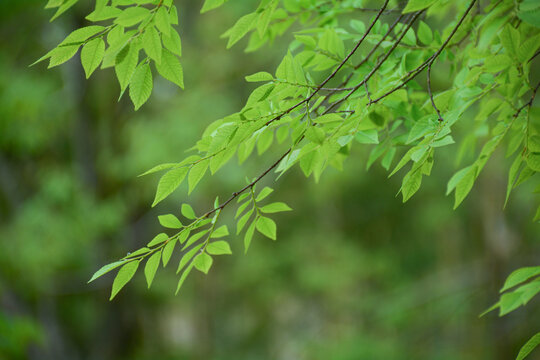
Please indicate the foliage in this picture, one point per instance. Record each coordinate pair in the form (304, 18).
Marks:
(340, 83)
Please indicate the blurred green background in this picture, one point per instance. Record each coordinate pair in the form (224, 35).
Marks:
(355, 274)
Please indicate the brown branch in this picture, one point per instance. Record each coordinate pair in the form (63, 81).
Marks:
(351, 53)
(379, 64)
(413, 73)
(528, 103)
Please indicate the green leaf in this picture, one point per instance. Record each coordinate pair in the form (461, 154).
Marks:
(173, 42)
(509, 302)
(315, 135)
(510, 40)
(455, 179)
(132, 16)
(158, 239)
(249, 236)
(367, 137)
(168, 250)
(529, 347)
(241, 28)
(61, 54)
(159, 168)
(415, 5)
(105, 269)
(169, 182)
(203, 262)
(211, 4)
(140, 86)
(188, 212)
(187, 257)
(169, 221)
(126, 63)
(533, 161)
(151, 267)
(260, 76)
(330, 41)
(220, 232)
(519, 276)
(183, 278)
(528, 48)
(529, 12)
(151, 44)
(243, 221)
(104, 13)
(125, 274)
(219, 248)
(275, 207)
(170, 68)
(264, 193)
(63, 8)
(162, 21)
(464, 186)
(411, 184)
(79, 36)
(136, 253)
(424, 33)
(196, 174)
(173, 15)
(91, 55)
(266, 226)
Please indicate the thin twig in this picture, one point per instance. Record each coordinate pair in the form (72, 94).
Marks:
(431, 93)
(351, 53)
(413, 73)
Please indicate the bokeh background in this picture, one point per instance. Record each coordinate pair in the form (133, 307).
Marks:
(355, 274)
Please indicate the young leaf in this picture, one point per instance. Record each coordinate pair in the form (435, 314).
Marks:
(126, 63)
(529, 347)
(183, 277)
(196, 174)
(61, 54)
(132, 16)
(260, 76)
(249, 236)
(411, 184)
(267, 227)
(415, 5)
(140, 86)
(188, 212)
(211, 4)
(151, 44)
(168, 250)
(158, 239)
(170, 68)
(169, 221)
(187, 257)
(159, 168)
(519, 276)
(424, 33)
(91, 55)
(125, 274)
(151, 267)
(219, 248)
(241, 28)
(464, 186)
(105, 269)
(203, 262)
(220, 232)
(162, 21)
(169, 182)
(275, 207)
(172, 42)
(264, 193)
